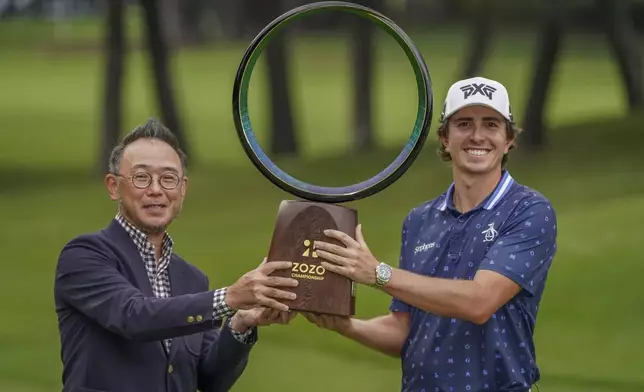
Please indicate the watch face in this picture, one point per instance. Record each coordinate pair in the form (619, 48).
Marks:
(384, 272)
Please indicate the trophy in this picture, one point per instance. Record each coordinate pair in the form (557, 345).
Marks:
(301, 222)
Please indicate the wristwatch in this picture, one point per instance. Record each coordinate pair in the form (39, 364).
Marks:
(383, 275)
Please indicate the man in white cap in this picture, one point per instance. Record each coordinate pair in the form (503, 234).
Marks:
(473, 262)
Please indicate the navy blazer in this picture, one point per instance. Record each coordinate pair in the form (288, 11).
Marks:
(112, 327)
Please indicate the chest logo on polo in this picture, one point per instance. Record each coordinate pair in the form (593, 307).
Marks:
(490, 233)
(424, 247)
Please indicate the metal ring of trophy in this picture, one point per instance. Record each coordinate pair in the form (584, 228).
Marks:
(321, 193)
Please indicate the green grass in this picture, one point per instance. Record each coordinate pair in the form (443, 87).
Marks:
(589, 326)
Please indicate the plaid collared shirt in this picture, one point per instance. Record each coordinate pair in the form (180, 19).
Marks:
(160, 277)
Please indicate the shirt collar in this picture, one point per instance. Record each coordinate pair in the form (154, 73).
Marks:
(141, 239)
(489, 202)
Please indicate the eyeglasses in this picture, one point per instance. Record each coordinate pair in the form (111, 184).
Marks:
(143, 180)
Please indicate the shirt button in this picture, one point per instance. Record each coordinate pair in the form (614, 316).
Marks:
(170, 369)
(199, 317)
(191, 319)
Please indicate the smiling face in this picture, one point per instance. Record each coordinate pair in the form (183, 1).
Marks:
(149, 207)
(476, 139)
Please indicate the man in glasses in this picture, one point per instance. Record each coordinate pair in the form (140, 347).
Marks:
(132, 314)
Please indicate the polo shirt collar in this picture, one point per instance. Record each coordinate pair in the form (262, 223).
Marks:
(489, 202)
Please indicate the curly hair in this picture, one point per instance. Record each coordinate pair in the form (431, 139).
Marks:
(512, 131)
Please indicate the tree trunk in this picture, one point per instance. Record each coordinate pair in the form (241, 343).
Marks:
(283, 140)
(363, 64)
(547, 51)
(115, 45)
(191, 13)
(231, 18)
(479, 45)
(171, 20)
(282, 132)
(159, 55)
(623, 41)
(363, 35)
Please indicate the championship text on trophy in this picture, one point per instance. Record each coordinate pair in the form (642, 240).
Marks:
(302, 222)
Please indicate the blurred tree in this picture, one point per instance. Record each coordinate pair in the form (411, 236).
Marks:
(113, 87)
(157, 46)
(622, 36)
(484, 17)
(363, 63)
(282, 139)
(479, 39)
(547, 51)
(616, 23)
(159, 61)
(190, 22)
(231, 18)
(192, 13)
(171, 20)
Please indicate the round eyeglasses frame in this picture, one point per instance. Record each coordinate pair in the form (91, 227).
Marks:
(145, 179)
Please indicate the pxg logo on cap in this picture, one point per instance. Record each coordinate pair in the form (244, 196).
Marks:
(480, 88)
(477, 91)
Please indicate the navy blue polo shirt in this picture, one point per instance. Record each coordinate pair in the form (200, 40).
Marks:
(512, 232)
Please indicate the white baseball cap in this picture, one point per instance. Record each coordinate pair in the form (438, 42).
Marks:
(477, 91)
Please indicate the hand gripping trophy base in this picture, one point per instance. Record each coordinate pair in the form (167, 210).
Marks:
(299, 224)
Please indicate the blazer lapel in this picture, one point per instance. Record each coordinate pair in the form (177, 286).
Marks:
(134, 261)
(178, 282)
(132, 256)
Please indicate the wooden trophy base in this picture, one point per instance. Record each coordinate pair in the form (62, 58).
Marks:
(298, 225)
